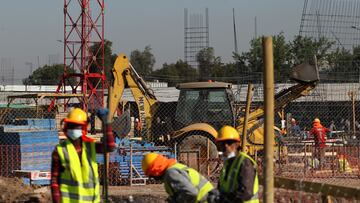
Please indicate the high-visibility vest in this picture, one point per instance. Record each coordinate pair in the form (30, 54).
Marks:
(230, 184)
(79, 181)
(197, 180)
(344, 165)
(313, 163)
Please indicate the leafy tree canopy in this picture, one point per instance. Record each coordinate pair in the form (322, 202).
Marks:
(46, 75)
(143, 61)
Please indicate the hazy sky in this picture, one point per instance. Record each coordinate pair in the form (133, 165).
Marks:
(29, 29)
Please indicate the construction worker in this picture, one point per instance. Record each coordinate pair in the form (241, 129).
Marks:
(344, 165)
(183, 184)
(319, 133)
(295, 128)
(238, 179)
(137, 128)
(74, 171)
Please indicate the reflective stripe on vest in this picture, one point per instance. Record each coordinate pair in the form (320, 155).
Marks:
(79, 181)
(344, 165)
(197, 180)
(230, 184)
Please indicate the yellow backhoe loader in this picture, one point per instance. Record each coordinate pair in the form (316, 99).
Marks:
(202, 108)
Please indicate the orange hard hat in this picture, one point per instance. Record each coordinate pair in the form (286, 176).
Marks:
(316, 120)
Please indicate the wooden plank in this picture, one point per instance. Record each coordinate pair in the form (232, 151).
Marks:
(309, 154)
(45, 95)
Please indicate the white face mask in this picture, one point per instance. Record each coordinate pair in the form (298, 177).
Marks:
(74, 133)
(231, 155)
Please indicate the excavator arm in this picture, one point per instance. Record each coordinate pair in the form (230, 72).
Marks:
(124, 75)
(306, 75)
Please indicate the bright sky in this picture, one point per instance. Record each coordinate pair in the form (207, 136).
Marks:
(29, 29)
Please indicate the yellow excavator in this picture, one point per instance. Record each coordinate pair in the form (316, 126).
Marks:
(202, 108)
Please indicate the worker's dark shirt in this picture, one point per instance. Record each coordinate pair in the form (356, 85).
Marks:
(57, 168)
(245, 182)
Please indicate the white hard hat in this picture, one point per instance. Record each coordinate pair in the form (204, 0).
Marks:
(293, 120)
(136, 119)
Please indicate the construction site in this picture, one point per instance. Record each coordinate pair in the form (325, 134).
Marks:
(272, 95)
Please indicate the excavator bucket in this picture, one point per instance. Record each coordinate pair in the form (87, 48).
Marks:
(305, 73)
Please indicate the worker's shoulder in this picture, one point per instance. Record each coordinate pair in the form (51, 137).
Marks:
(174, 173)
(62, 143)
(248, 160)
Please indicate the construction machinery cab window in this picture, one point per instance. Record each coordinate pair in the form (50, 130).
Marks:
(204, 106)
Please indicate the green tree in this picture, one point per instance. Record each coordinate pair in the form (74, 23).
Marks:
(240, 63)
(46, 75)
(175, 73)
(226, 72)
(252, 60)
(341, 66)
(282, 57)
(304, 49)
(143, 61)
(207, 63)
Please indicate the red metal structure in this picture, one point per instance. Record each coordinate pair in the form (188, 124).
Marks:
(84, 70)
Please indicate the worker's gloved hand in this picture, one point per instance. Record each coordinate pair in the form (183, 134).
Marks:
(213, 196)
(102, 114)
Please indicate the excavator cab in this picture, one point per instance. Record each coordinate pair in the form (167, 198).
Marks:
(205, 102)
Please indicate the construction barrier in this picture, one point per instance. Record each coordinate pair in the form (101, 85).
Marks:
(295, 155)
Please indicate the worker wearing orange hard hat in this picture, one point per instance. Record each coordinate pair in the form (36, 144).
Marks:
(183, 184)
(238, 179)
(74, 171)
(319, 133)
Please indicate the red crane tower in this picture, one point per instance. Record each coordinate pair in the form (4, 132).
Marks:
(84, 70)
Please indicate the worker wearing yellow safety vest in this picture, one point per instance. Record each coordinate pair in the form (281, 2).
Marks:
(183, 184)
(344, 165)
(74, 171)
(238, 179)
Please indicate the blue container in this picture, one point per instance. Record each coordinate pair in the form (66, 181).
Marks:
(27, 145)
(122, 156)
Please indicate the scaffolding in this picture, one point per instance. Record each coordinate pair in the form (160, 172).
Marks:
(84, 52)
(335, 20)
(196, 35)
(7, 71)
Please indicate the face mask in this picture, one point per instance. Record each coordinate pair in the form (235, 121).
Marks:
(74, 133)
(231, 155)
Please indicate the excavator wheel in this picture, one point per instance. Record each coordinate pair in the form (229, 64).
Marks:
(199, 152)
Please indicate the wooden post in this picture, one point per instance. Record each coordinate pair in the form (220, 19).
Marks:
(208, 157)
(131, 165)
(352, 95)
(268, 59)
(247, 110)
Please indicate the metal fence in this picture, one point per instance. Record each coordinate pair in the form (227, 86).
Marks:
(29, 133)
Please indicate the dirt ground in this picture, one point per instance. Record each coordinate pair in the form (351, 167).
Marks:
(141, 194)
(13, 191)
